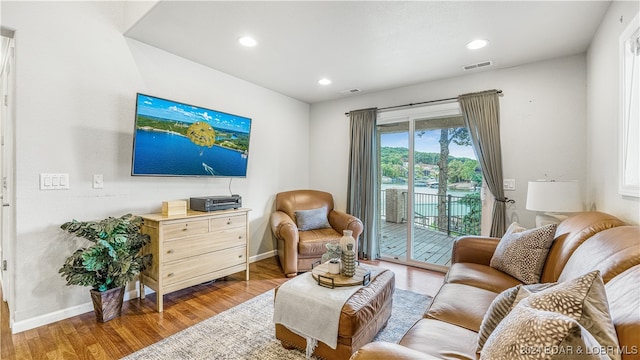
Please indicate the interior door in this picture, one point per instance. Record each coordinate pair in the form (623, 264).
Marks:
(7, 78)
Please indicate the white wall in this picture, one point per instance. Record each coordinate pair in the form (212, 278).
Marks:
(134, 11)
(542, 125)
(603, 102)
(77, 77)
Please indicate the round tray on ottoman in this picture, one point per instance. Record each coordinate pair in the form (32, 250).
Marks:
(321, 274)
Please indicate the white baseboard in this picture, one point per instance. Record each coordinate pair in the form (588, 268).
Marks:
(263, 256)
(34, 322)
(41, 320)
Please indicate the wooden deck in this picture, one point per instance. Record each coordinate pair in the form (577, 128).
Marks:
(430, 246)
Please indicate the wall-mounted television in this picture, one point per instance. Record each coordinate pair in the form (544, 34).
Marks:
(177, 139)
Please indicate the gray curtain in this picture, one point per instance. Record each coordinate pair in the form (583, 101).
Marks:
(481, 112)
(362, 193)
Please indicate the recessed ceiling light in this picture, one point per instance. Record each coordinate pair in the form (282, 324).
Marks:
(324, 81)
(247, 41)
(477, 44)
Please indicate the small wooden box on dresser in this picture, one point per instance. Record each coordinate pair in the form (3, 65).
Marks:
(194, 248)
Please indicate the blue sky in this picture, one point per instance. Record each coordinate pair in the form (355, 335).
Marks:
(171, 110)
(426, 143)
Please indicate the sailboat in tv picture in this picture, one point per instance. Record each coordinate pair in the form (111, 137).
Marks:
(109, 263)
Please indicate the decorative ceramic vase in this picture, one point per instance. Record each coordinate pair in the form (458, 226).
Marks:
(347, 238)
(349, 261)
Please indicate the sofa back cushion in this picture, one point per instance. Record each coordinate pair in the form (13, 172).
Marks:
(623, 294)
(570, 234)
(611, 251)
(290, 201)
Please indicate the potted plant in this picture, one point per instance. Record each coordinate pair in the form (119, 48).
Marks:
(107, 265)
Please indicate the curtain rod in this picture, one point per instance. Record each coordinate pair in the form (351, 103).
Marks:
(421, 103)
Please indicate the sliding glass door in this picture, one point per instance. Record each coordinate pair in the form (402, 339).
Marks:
(430, 182)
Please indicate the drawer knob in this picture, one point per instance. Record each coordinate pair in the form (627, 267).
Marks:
(170, 251)
(229, 222)
(170, 274)
(239, 256)
(184, 229)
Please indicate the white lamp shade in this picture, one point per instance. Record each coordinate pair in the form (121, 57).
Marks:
(554, 196)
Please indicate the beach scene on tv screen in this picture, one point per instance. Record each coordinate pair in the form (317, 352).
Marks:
(176, 139)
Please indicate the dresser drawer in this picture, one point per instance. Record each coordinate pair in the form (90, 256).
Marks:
(185, 228)
(200, 244)
(223, 223)
(183, 270)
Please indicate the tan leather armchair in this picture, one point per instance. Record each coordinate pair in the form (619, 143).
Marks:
(297, 249)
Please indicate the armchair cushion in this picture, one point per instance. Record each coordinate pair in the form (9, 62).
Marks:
(312, 219)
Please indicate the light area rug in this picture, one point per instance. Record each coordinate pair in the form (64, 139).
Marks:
(246, 331)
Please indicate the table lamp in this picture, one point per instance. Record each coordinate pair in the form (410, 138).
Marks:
(553, 198)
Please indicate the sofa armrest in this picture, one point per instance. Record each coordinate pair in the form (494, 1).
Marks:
(474, 249)
(388, 351)
(342, 221)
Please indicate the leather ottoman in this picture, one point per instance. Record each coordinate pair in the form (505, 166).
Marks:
(364, 314)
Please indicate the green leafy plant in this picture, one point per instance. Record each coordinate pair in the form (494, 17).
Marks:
(471, 221)
(113, 260)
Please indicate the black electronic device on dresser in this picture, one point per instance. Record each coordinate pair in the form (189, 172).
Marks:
(214, 203)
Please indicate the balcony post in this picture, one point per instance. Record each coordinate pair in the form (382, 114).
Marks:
(449, 214)
(395, 205)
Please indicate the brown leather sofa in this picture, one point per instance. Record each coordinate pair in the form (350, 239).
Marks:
(584, 242)
(298, 250)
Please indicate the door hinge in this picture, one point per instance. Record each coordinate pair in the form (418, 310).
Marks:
(6, 100)
(4, 265)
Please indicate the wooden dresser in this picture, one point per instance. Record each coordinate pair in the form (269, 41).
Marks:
(194, 248)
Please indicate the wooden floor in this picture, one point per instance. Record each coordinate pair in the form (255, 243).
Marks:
(81, 337)
(430, 246)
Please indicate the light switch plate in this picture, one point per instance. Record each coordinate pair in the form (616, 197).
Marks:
(509, 184)
(98, 181)
(54, 181)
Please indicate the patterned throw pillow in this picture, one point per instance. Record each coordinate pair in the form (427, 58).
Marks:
(528, 333)
(502, 305)
(585, 300)
(312, 219)
(522, 253)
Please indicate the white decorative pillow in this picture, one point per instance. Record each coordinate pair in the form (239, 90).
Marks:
(521, 253)
(312, 219)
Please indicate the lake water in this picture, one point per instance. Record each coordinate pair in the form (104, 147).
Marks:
(162, 153)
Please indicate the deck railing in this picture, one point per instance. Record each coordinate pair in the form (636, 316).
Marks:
(462, 212)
